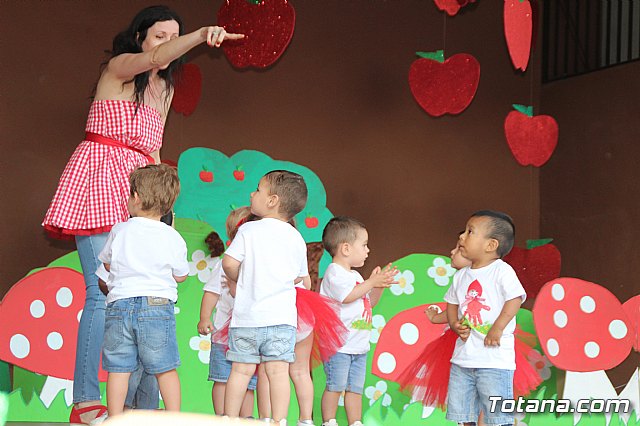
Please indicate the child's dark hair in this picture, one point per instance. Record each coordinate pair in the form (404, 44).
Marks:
(502, 229)
(339, 230)
(290, 189)
(215, 244)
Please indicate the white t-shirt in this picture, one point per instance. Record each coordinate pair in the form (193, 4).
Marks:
(218, 284)
(337, 284)
(480, 295)
(273, 254)
(144, 255)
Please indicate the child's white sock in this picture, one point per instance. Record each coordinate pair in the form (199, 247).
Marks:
(330, 422)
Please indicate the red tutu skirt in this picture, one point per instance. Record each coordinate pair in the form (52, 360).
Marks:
(317, 314)
(427, 378)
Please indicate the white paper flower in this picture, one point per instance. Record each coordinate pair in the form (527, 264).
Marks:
(426, 411)
(405, 283)
(441, 271)
(377, 392)
(377, 322)
(202, 265)
(202, 344)
(540, 363)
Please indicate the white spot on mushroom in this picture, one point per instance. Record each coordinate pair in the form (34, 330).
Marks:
(409, 333)
(553, 348)
(557, 292)
(591, 349)
(587, 304)
(560, 318)
(64, 297)
(20, 346)
(386, 362)
(80, 314)
(54, 340)
(618, 329)
(37, 308)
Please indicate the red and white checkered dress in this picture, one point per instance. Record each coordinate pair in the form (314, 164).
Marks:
(94, 188)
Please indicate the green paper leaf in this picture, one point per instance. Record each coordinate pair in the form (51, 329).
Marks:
(239, 167)
(537, 243)
(255, 2)
(527, 110)
(438, 55)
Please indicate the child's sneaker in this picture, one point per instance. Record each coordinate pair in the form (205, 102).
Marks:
(282, 422)
(331, 422)
(305, 423)
(357, 423)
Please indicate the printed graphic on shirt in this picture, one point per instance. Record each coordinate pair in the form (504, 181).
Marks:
(365, 322)
(473, 306)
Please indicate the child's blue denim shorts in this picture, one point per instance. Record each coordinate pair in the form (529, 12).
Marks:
(220, 367)
(141, 328)
(346, 372)
(253, 345)
(469, 392)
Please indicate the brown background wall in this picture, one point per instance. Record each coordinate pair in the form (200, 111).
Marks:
(338, 102)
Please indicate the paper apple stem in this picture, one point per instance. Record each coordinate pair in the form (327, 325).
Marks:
(538, 243)
(527, 110)
(438, 55)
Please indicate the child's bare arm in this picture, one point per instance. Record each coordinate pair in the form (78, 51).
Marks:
(456, 324)
(209, 301)
(232, 287)
(306, 281)
(180, 279)
(231, 268)
(379, 279)
(509, 310)
(435, 315)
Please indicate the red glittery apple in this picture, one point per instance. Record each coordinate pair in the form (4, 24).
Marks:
(452, 6)
(518, 30)
(311, 222)
(238, 173)
(267, 26)
(535, 265)
(188, 88)
(532, 139)
(206, 175)
(442, 87)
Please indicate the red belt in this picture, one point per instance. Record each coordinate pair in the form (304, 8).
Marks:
(94, 137)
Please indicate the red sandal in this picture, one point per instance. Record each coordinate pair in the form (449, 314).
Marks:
(101, 415)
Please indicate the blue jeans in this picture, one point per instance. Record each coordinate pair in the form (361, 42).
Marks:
(143, 390)
(253, 345)
(91, 329)
(469, 392)
(346, 372)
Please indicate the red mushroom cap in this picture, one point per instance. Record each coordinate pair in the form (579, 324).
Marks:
(402, 339)
(581, 325)
(632, 309)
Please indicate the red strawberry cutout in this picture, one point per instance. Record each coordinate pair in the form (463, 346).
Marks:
(532, 139)
(452, 6)
(518, 30)
(267, 26)
(403, 338)
(442, 87)
(187, 91)
(536, 265)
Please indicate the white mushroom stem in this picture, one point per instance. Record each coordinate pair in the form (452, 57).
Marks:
(53, 386)
(588, 385)
(632, 392)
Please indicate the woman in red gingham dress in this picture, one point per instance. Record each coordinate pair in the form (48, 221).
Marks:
(124, 131)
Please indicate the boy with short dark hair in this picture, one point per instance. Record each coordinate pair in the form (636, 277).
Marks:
(264, 259)
(482, 303)
(145, 259)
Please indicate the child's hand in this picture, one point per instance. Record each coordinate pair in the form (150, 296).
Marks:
(205, 327)
(382, 278)
(461, 329)
(432, 311)
(493, 337)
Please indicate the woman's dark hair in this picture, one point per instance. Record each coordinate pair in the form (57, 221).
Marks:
(215, 244)
(130, 41)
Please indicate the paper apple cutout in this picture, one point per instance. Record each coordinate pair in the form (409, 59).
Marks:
(267, 26)
(532, 139)
(452, 6)
(311, 222)
(206, 175)
(442, 87)
(187, 90)
(518, 29)
(238, 173)
(535, 265)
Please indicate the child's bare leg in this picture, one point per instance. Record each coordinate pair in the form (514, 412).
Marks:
(237, 385)
(169, 384)
(117, 385)
(481, 419)
(279, 388)
(353, 406)
(329, 404)
(247, 405)
(301, 377)
(217, 396)
(264, 400)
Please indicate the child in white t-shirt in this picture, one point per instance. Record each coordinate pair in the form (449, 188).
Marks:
(482, 303)
(346, 240)
(217, 295)
(264, 259)
(145, 259)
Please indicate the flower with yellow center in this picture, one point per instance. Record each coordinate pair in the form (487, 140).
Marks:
(379, 391)
(441, 271)
(405, 283)
(202, 344)
(202, 265)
